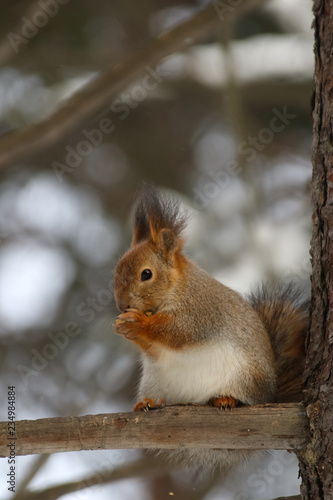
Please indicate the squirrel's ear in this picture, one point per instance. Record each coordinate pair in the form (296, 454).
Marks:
(157, 218)
(140, 233)
(166, 241)
(169, 240)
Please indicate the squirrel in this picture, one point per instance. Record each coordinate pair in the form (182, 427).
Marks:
(202, 342)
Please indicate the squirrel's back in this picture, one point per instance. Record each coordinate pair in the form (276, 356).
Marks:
(284, 311)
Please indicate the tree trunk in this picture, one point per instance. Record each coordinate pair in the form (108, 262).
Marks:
(316, 460)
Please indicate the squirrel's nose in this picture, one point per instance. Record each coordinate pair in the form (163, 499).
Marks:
(122, 304)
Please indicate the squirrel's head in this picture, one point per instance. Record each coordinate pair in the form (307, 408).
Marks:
(147, 273)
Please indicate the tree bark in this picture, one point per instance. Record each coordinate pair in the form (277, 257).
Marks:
(316, 460)
(263, 427)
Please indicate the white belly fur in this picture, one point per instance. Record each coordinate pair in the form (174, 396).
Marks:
(194, 375)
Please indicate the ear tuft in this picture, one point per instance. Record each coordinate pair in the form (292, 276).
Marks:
(141, 226)
(155, 212)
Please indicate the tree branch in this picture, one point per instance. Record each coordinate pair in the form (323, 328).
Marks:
(99, 91)
(143, 467)
(6, 49)
(283, 426)
(38, 463)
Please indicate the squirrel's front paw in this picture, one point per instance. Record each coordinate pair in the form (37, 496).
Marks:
(131, 323)
(148, 404)
(223, 402)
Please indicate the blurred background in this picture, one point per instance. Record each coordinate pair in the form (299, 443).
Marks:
(225, 126)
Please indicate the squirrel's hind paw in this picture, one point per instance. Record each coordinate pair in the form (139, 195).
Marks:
(224, 402)
(148, 404)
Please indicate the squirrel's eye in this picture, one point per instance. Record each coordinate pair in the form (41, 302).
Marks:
(146, 275)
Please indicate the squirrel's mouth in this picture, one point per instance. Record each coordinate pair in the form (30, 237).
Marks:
(150, 311)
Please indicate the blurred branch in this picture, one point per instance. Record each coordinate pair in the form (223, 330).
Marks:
(144, 467)
(36, 466)
(162, 487)
(6, 49)
(99, 91)
(280, 426)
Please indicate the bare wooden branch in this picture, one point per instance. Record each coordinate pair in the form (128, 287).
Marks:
(283, 426)
(144, 467)
(101, 90)
(37, 465)
(7, 51)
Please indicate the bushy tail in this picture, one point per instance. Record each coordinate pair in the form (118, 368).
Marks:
(284, 311)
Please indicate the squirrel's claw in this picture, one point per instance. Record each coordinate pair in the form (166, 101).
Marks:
(223, 402)
(130, 315)
(130, 323)
(148, 404)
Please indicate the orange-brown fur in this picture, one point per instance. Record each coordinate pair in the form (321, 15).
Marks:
(223, 402)
(148, 404)
(149, 332)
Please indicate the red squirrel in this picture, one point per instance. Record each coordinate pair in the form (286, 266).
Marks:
(202, 342)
